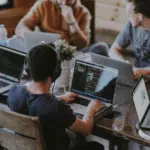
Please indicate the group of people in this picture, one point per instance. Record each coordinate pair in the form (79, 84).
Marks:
(71, 20)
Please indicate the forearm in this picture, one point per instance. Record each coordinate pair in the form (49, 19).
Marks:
(148, 70)
(115, 53)
(89, 120)
(22, 28)
(78, 37)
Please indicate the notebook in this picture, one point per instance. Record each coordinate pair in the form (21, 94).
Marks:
(141, 98)
(34, 38)
(93, 81)
(11, 67)
(125, 76)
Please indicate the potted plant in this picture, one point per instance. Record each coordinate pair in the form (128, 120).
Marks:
(66, 53)
(65, 50)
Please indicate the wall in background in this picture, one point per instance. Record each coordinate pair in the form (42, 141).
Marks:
(110, 14)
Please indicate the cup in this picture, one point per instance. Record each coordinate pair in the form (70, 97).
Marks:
(119, 123)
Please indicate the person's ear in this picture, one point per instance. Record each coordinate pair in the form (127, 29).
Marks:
(140, 19)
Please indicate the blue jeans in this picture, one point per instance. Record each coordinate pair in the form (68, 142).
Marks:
(100, 48)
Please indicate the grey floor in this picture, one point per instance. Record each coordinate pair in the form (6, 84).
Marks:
(106, 36)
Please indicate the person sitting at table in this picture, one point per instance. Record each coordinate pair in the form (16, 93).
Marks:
(69, 18)
(35, 99)
(137, 34)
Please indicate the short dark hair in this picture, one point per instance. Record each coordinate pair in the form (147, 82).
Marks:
(141, 6)
(42, 61)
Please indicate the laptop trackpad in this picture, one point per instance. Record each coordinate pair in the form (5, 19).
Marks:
(77, 108)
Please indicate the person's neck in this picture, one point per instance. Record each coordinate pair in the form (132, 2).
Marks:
(146, 24)
(39, 87)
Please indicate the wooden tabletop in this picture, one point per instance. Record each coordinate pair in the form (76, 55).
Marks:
(128, 120)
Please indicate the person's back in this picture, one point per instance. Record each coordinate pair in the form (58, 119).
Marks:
(54, 114)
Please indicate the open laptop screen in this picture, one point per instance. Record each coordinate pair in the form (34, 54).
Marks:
(11, 63)
(94, 81)
(140, 98)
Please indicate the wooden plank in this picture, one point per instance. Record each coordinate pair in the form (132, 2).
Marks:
(107, 24)
(10, 13)
(12, 141)
(120, 3)
(113, 13)
(18, 123)
(23, 4)
(101, 10)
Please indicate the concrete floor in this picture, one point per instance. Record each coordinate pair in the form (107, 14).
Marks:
(106, 36)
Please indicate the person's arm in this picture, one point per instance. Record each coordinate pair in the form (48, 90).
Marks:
(30, 20)
(141, 71)
(65, 118)
(115, 52)
(68, 97)
(121, 42)
(79, 32)
(85, 125)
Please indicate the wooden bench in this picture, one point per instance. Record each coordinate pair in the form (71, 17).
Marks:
(19, 132)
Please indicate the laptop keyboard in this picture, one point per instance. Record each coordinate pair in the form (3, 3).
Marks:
(3, 84)
(82, 101)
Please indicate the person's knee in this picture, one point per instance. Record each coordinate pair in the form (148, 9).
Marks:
(100, 48)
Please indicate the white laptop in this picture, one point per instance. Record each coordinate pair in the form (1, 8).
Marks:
(141, 98)
(11, 67)
(125, 76)
(92, 81)
(34, 38)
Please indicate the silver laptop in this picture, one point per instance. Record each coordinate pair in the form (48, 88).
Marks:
(141, 98)
(125, 77)
(34, 38)
(92, 81)
(11, 67)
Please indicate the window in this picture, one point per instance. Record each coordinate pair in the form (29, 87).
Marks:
(6, 4)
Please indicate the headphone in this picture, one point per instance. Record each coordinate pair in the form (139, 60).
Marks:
(57, 71)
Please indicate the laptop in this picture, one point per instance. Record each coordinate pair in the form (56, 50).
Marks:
(11, 67)
(93, 81)
(141, 98)
(34, 38)
(125, 77)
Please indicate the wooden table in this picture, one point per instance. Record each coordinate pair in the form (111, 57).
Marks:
(104, 128)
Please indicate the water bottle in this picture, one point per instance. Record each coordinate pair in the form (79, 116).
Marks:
(3, 35)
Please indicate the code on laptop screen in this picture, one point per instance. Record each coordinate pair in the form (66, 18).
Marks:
(11, 63)
(94, 81)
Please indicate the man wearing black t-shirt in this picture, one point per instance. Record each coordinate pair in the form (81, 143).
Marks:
(34, 99)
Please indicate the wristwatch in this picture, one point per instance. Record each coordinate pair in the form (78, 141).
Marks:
(72, 23)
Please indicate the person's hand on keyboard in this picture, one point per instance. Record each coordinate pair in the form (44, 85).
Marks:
(69, 97)
(95, 105)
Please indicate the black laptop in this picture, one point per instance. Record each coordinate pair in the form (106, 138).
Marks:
(93, 81)
(11, 67)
